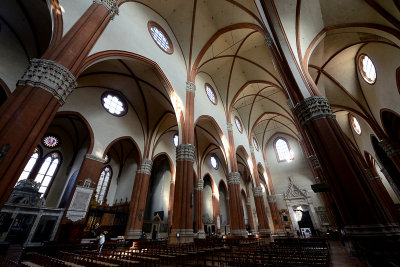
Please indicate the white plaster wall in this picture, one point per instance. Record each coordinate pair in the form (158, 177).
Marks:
(158, 194)
(246, 218)
(72, 10)
(216, 174)
(223, 207)
(125, 182)
(208, 200)
(13, 61)
(105, 126)
(131, 31)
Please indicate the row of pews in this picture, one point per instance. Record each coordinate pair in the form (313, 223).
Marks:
(214, 252)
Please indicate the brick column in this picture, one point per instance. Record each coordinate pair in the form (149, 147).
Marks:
(44, 87)
(199, 209)
(238, 227)
(182, 223)
(250, 216)
(137, 205)
(364, 213)
(71, 227)
(171, 202)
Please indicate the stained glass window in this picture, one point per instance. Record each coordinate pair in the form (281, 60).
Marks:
(160, 37)
(176, 140)
(47, 171)
(282, 150)
(50, 141)
(211, 94)
(102, 184)
(114, 104)
(214, 161)
(238, 124)
(255, 143)
(367, 69)
(355, 124)
(29, 166)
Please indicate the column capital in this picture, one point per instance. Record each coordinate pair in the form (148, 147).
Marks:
(110, 5)
(233, 178)
(289, 103)
(252, 149)
(369, 175)
(258, 191)
(50, 76)
(93, 157)
(190, 87)
(229, 126)
(185, 152)
(312, 108)
(200, 185)
(314, 162)
(271, 198)
(387, 146)
(248, 203)
(145, 167)
(269, 42)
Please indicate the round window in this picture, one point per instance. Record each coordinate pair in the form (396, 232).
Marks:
(114, 103)
(214, 161)
(160, 37)
(238, 124)
(175, 139)
(367, 69)
(51, 141)
(211, 93)
(355, 124)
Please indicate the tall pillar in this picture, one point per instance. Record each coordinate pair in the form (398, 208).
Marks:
(259, 198)
(44, 87)
(182, 224)
(199, 209)
(250, 216)
(137, 205)
(263, 227)
(365, 216)
(171, 203)
(238, 227)
(72, 222)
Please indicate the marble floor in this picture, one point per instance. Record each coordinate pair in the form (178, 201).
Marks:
(340, 256)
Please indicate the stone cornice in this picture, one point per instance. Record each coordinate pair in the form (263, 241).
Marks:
(190, 87)
(229, 126)
(110, 5)
(312, 108)
(234, 178)
(145, 167)
(269, 42)
(258, 191)
(51, 76)
(93, 157)
(200, 185)
(185, 152)
(314, 162)
(271, 198)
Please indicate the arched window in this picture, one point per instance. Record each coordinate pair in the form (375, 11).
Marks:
(29, 166)
(47, 171)
(175, 139)
(367, 68)
(282, 150)
(214, 161)
(102, 184)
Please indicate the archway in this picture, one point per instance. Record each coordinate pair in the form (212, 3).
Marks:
(156, 216)
(208, 207)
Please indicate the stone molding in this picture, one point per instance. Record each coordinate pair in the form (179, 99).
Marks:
(312, 108)
(314, 162)
(239, 232)
(185, 152)
(229, 126)
(248, 203)
(271, 198)
(258, 191)
(110, 5)
(145, 167)
(252, 149)
(269, 42)
(50, 76)
(373, 230)
(388, 148)
(289, 103)
(233, 178)
(200, 185)
(172, 182)
(190, 87)
(369, 174)
(264, 231)
(93, 157)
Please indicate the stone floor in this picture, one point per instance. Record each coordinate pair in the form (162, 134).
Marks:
(340, 256)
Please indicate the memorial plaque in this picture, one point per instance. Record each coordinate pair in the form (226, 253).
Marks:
(79, 203)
